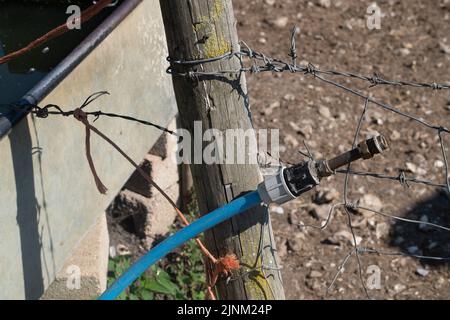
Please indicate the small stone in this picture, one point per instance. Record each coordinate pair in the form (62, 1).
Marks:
(295, 245)
(289, 139)
(277, 210)
(315, 274)
(293, 218)
(112, 252)
(360, 223)
(270, 2)
(404, 51)
(274, 105)
(370, 201)
(280, 22)
(331, 241)
(347, 235)
(262, 40)
(399, 287)
(419, 158)
(408, 45)
(307, 131)
(395, 135)
(45, 50)
(303, 63)
(422, 226)
(342, 116)
(422, 272)
(319, 212)
(326, 195)
(439, 164)
(309, 264)
(414, 250)
(404, 262)
(445, 48)
(296, 127)
(411, 167)
(122, 250)
(376, 118)
(289, 97)
(324, 3)
(314, 285)
(325, 112)
(433, 245)
(382, 230)
(371, 221)
(415, 169)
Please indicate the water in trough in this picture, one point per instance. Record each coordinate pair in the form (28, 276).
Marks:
(22, 22)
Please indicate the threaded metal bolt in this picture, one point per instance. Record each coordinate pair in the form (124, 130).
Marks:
(365, 150)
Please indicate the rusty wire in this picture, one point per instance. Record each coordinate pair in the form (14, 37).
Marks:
(46, 111)
(262, 63)
(221, 265)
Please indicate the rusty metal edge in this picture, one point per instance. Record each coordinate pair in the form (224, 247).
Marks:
(53, 78)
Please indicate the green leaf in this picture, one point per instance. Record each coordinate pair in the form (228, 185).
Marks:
(167, 283)
(147, 295)
(122, 296)
(180, 296)
(111, 265)
(132, 296)
(161, 274)
(155, 286)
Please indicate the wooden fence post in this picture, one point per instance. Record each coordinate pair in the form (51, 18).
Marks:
(198, 29)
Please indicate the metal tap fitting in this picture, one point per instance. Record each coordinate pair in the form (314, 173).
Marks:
(291, 182)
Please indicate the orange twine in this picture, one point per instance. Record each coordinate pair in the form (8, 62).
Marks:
(223, 265)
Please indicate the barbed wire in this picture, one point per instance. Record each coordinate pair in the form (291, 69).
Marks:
(45, 112)
(279, 66)
(401, 178)
(220, 265)
(259, 62)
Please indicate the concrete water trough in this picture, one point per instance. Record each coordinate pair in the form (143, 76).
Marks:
(48, 199)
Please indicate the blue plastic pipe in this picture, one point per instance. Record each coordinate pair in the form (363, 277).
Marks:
(206, 222)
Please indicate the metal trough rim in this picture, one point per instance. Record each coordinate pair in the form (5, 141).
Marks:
(54, 77)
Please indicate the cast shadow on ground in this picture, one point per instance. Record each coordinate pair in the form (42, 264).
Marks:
(421, 239)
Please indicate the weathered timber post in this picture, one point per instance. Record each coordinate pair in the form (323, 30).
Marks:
(203, 29)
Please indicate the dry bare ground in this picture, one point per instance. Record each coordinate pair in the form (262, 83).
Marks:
(412, 44)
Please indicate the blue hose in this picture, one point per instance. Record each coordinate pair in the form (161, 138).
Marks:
(206, 222)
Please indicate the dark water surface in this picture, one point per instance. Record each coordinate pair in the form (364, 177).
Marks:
(20, 24)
